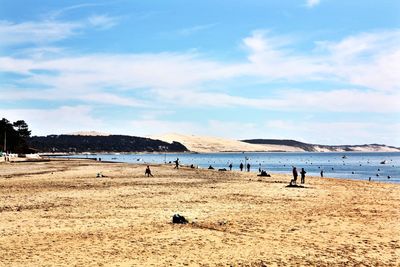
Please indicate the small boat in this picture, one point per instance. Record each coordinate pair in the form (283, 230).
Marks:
(383, 162)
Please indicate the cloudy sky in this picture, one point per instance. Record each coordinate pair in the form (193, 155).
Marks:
(320, 71)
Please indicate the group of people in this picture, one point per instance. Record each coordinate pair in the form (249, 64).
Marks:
(296, 174)
(241, 166)
(248, 166)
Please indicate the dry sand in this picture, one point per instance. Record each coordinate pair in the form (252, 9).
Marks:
(58, 213)
(208, 144)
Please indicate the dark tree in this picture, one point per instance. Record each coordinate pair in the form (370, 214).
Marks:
(14, 140)
(22, 129)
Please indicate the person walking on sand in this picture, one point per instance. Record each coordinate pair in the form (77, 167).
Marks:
(230, 166)
(241, 166)
(176, 163)
(148, 171)
(295, 174)
(303, 175)
(248, 167)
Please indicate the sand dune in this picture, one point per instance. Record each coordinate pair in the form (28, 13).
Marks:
(58, 214)
(207, 144)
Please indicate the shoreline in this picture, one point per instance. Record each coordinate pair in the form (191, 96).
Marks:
(218, 152)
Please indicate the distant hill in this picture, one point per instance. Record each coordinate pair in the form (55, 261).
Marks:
(325, 148)
(292, 143)
(101, 143)
(209, 144)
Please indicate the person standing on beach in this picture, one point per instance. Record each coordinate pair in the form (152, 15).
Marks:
(241, 166)
(303, 175)
(230, 166)
(248, 167)
(148, 171)
(176, 163)
(295, 174)
(322, 173)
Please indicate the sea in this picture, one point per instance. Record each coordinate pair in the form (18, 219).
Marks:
(374, 166)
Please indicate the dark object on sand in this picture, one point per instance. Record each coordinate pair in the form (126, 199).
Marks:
(177, 218)
(295, 185)
(264, 174)
(211, 167)
(222, 170)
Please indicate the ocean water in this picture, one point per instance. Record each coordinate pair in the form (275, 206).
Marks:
(349, 165)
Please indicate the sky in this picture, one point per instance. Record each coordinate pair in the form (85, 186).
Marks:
(318, 71)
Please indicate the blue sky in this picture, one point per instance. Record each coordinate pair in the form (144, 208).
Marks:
(319, 71)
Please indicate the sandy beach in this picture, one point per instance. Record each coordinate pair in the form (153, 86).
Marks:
(58, 213)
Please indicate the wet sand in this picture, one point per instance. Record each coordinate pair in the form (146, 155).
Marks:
(59, 213)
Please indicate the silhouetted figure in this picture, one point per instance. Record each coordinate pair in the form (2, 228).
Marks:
(248, 167)
(176, 163)
(230, 166)
(241, 166)
(322, 173)
(295, 174)
(192, 166)
(211, 167)
(148, 171)
(303, 175)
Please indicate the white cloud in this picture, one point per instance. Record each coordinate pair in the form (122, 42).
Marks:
(102, 21)
(272, 58)
(57, 13)
(55, 121)
(195, 29)
(312, 3)
(87, 96)
(343, 100)
(367, 59)
(147, 127)
(49, 31)
(36, 32)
